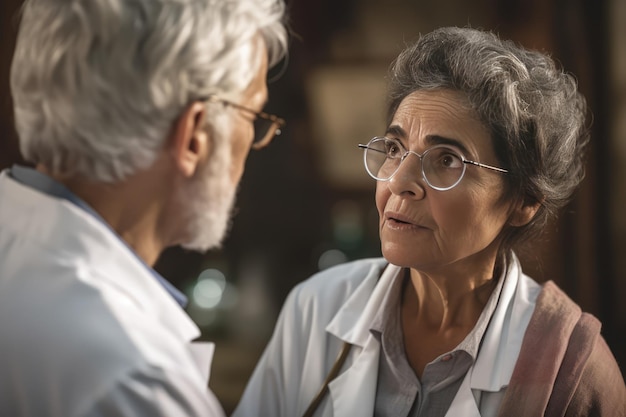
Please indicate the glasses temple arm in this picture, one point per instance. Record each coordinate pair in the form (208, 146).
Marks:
(370, 149)
(478, 164)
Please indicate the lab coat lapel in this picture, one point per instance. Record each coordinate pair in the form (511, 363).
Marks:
(202, 353)
(353, 392)
(464, 403)
(501, 344)
(503, 339)
(352, 322)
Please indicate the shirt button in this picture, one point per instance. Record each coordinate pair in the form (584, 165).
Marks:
(446, 358)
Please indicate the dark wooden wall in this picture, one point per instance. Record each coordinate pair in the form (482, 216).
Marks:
(8, 26)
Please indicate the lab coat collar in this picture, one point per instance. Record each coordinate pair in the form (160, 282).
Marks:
(503, 340)
(47, 185)
(501, 344)
(353, 320)
(496, 359)
(113, 263)
(138, 283)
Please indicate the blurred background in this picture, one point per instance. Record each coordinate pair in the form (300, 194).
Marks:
(305, 203)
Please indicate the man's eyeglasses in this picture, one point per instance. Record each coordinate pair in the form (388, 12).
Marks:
(443, 166)
(266, 125)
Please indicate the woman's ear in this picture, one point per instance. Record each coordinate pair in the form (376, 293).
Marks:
(189, 141)
(524, 213)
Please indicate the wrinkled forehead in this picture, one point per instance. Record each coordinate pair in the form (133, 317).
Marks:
(427, 117)
(460, 98)
(441, 108)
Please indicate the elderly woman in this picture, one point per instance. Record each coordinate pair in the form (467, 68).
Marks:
(484, 143)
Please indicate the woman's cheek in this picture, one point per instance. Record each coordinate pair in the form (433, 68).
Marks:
(382, 196)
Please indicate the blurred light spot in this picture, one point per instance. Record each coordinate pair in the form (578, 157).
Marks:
(209, 288)
(330, 258)
(207, 293)
(213, 274)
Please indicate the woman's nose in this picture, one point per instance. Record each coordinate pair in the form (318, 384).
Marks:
(408, 179)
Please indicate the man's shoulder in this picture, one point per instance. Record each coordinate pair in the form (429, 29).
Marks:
(84, 340)
(42, 222)
(72, 339)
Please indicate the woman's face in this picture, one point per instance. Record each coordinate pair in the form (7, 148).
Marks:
(432, 230)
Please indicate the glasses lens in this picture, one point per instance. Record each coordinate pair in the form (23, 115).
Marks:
(382, 157)
(443, 167)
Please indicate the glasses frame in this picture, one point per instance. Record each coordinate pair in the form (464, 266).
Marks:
(273, 129)
(408, 152)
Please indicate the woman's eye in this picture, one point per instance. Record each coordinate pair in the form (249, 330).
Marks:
(392, 150)
(448, 159)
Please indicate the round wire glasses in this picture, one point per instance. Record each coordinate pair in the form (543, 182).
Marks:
(443, 166)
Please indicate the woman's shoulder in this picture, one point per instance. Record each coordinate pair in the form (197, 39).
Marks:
(555, 302)
(600, 389)
(556, 312)
(561, 336)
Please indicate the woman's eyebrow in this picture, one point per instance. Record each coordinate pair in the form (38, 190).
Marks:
(396, 131)
(433, 140)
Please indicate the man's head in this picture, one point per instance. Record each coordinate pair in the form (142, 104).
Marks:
(97, 84)
(101, 87)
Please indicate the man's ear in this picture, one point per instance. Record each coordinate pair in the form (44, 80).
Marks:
(523, 213)
(189, 141)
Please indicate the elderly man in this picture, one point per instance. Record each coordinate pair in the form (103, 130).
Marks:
(139, 116)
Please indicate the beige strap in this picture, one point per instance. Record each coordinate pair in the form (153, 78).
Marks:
(331, 375)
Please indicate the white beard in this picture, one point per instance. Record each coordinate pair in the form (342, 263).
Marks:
(209, 199)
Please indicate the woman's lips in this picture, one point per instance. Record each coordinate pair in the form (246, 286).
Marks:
(398, 220)
(396, 224)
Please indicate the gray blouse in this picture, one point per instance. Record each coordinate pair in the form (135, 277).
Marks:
(400, 392)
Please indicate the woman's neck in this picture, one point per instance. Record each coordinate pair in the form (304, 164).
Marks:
(440, 301)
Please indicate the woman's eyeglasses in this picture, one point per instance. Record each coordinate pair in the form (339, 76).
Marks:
(266, 125)
(443, 167)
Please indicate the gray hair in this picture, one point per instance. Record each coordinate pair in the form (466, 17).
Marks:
(97, 84)
(535, 114)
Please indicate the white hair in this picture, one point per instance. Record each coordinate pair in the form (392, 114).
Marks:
(98, 84)
(207, 201)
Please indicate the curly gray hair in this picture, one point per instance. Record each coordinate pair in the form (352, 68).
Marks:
(536, 116)
(97, 84)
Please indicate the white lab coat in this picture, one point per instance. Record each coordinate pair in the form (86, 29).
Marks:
(85, 328)
(339, 305)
